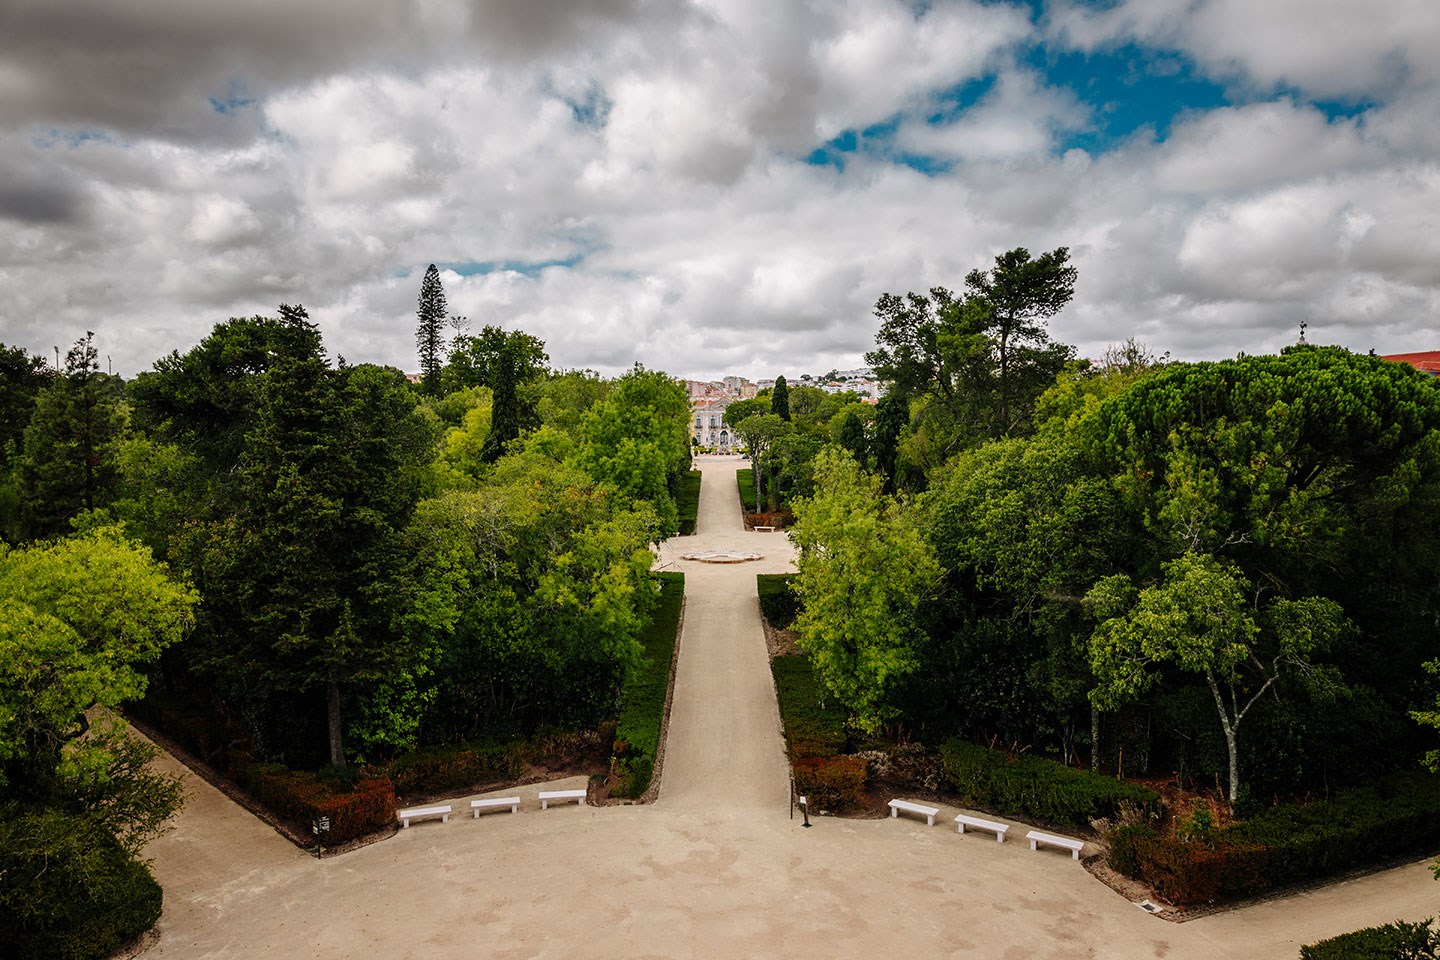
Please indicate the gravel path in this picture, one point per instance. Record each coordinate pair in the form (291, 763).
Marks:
(716, 868)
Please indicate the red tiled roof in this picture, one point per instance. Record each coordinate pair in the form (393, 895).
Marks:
(1428, 361)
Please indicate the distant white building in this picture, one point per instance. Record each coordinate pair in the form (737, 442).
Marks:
(708, 427)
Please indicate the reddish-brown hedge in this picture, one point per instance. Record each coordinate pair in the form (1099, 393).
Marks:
(831, 783)
(300, 799)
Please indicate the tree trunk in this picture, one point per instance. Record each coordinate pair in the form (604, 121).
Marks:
(757, 475)
(1232, 737)
(1094, 739)
(337, 749)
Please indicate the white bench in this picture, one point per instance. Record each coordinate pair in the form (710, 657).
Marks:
(495, 802)
(415, 813)
(963, 820)
(927, 812)
(547, 795)
(763, 529)
(1050, 839)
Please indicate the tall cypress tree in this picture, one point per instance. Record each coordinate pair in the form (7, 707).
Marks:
(429, 338)
(780, 399)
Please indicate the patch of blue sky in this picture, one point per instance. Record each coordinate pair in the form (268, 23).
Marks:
(232, 103)
(529, 268)
(874, 140)
(53, 137)
(1128, 89)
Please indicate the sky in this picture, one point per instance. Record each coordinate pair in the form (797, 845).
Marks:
(719, 187)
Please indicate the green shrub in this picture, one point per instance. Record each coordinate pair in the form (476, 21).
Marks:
(1293, 843)
(1121, 855)
(745, 479)
(67, 889)
(1391, 941)
(1040, 789)
(814, 723)
(831, 783)
(687, 500)
(642, 698)
(464, 767)
(778, 600)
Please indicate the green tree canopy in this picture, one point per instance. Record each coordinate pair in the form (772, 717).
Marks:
(780, 399)
(430, 331)
(864, 568)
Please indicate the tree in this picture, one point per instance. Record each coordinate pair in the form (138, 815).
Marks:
(206, 400)
(975, 363)
(780, 399)
(637, 441)
(863, 568)
(476, 361)
(22, 377)
(71, 444)
(507, 363)
(759, 432)
(1018, 295)
(429, 334)
(850, 434)
(1199, 618)
(304, 583)
(80, 619)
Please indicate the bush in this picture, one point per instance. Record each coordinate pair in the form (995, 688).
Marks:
(687, 500)
(831, 783)
(1391, 941)
(745, 480)
(778, 600)
(642, 698)
(814, 725)
(1292, 843)
(1121, 854)
(1040, 789)
(67, 889)
(300, 798)
(444, 769)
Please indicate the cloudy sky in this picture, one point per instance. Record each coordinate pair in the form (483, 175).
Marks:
(719, 186)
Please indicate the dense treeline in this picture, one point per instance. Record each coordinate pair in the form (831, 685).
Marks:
(1219, 574)
(340, 565)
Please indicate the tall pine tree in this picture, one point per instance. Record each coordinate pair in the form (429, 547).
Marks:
(71, 444)
(429, 338)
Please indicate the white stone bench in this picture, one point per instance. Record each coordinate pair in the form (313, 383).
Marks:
(927, 812)
(963, 820)
(763, 529)
(494, 803)
(547, 795)
(416, 813)
(1050, 839)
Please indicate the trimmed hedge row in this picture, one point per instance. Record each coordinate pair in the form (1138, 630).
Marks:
(1286, 844)
(1039, 789)
(831, 783)
(814, 726)
(442, 769)
(687, 501)
(300, 798)
(642, 699)
(1391, 941)
(745, 480)
(67, 889)
(778, 600)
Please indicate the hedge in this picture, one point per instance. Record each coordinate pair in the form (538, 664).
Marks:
(814, 723)
(445, 769)
(831, 783)
(778, 600)
(745, 479)
(67, 889)
(1391, 941)
(642, 698)
(300, 798)
(1038, 789)
(687, 500)
(1287, 844)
